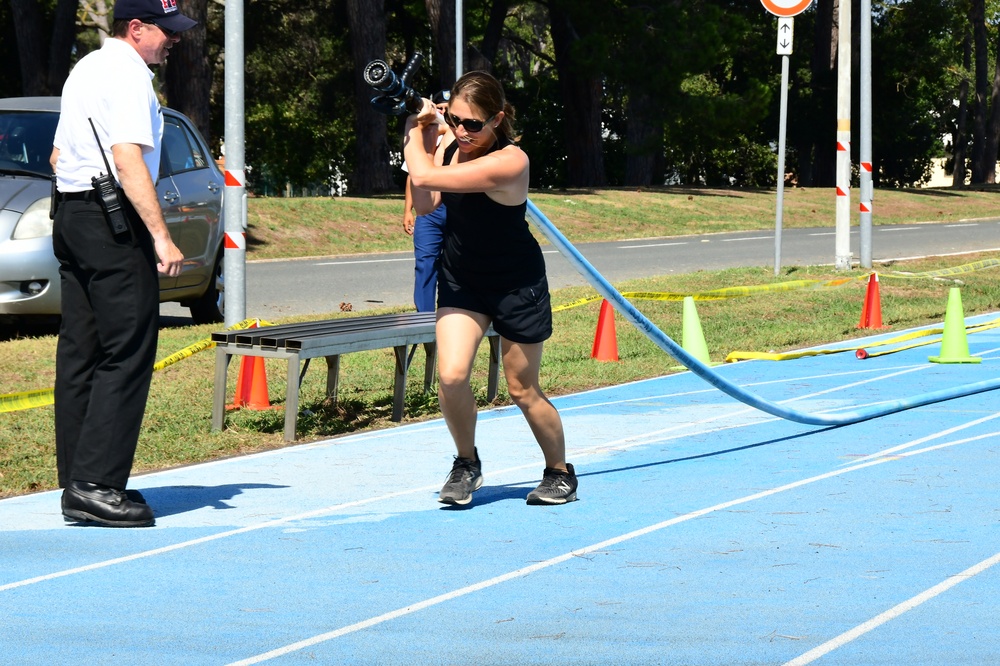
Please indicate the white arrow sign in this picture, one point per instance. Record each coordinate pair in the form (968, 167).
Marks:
(785, 35)
(786, 8)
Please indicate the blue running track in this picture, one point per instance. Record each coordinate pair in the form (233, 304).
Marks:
(707, 532)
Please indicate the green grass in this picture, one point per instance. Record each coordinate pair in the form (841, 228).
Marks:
(176, 430)
(283, 228)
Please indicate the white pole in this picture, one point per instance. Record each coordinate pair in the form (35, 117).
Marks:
(234, 256)
(842, 260)
(785, 39)
(866, 134)
(459, 39)
(783, 122)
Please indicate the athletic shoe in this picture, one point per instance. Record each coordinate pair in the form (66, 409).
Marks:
(465, 478)
(557, 487)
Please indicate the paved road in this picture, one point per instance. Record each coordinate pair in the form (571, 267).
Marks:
(319, 285)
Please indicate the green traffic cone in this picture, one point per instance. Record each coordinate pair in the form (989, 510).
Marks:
(954, 345)
(693, 339)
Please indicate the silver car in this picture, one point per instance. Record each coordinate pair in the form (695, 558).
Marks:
(190, 189)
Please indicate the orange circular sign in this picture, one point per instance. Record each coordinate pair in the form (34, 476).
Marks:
(786, 8)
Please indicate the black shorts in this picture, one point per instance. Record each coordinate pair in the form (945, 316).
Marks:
(523, 315)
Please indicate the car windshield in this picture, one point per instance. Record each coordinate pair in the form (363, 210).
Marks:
(26, 141)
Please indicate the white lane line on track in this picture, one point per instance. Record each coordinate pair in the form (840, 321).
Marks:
(628, 442)
(893, 613)
(659, 436)
(514, 413)
(212, 537)
(917, 442)
(737, 240)
(603, 545)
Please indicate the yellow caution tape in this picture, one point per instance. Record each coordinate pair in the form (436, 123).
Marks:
(860, 350)
(718, 294)
(14, 402)
(945, 272)
(26, 400)
(577, 303)
(793, 285)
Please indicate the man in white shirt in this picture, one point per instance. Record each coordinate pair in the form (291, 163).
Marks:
(110, 290)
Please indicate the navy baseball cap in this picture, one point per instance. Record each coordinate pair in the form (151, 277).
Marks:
(162, 13)
(441, 97)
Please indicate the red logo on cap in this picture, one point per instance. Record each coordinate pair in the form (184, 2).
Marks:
(169, 5)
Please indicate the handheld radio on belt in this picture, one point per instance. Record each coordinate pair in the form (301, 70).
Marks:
(107, 193)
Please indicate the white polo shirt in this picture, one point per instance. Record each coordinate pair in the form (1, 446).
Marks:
(113, 86)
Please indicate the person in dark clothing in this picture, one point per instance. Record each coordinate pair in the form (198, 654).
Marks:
(108, 276)
(491, 272)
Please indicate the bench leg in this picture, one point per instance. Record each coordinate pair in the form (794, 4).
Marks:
(399, 383)
(493, 384)
(332, 377)
(219, 394)
(292, 399)
(430, 350)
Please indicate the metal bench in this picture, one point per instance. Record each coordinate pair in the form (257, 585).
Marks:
(330, 338)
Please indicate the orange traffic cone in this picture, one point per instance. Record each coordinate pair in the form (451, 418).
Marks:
(871, 313)
(605, 340)
(251, 385)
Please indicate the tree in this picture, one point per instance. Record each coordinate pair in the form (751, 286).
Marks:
(991, 132)
(372, 172)
(960, 137)
(913, 98)
(187, 76)
(482, 56)
(44, 69)
(581, 85)
(441, 14)
(299, 91)
(816, 147)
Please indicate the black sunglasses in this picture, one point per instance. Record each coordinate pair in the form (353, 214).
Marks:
(470, 124)
(168, 33)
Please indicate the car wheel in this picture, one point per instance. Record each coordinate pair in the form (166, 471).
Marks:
(210, 308)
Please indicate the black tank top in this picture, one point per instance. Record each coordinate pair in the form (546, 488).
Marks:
(488, 245)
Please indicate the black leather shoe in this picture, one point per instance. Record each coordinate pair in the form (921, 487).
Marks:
(135, 496)
(90, 502)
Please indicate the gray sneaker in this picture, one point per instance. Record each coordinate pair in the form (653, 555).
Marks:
(557, 487)
(466, 477)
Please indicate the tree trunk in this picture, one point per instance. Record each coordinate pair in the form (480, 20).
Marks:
(993, 129)
(977, 17)
(61, 48)
(187, 74)
(643, 141)
(366, 21)
(442, 18)
(482, 58)
(30, 47)
(961, 140)
(821, 170)
(582, 94)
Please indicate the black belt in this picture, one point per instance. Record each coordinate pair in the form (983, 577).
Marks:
(86, 195)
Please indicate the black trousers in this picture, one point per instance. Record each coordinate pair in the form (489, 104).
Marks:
(107, 342)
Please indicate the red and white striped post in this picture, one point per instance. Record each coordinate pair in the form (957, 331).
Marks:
(842, 257)
(234, 204)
